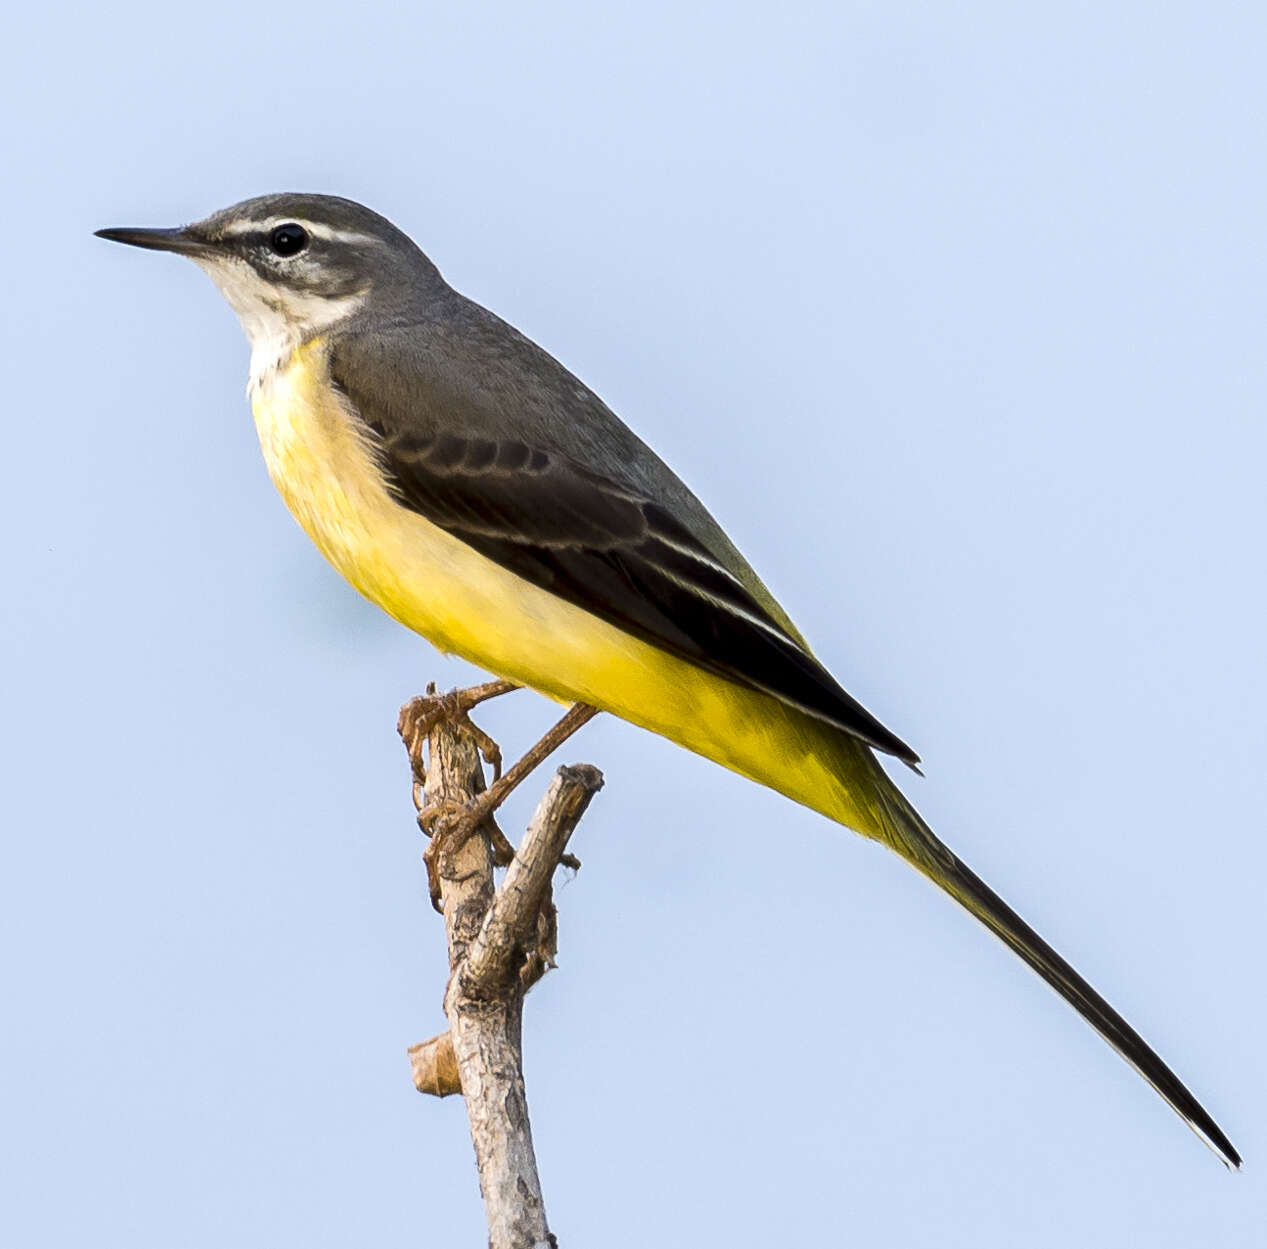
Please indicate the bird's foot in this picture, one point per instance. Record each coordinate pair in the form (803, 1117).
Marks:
(420, 715)
(450, 824)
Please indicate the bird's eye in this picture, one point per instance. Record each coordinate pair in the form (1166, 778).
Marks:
(288, 239)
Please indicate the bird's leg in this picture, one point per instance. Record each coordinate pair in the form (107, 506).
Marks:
(482, 807)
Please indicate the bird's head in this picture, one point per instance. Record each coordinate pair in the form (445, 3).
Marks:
(293, 265)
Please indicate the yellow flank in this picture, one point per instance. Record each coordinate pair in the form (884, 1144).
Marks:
(466, 604)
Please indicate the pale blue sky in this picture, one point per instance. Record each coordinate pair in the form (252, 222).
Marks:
(954, 316)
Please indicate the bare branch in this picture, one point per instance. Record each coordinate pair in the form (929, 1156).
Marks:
(511, 923)
(500, 941)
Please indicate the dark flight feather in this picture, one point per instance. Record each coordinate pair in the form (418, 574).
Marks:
(602, 545)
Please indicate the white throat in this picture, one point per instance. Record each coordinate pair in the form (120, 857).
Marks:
(276, 320)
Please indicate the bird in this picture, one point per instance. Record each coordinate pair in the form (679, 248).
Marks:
(467, 483)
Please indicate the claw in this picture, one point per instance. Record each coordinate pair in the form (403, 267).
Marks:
(490, 750)
(503, 851)
(431, 813)
(429, 857)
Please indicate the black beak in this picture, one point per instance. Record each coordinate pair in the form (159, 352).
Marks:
(182, 241)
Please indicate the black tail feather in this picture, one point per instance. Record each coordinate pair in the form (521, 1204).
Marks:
(916, 842)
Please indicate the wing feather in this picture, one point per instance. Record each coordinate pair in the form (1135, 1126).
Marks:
(601, 545)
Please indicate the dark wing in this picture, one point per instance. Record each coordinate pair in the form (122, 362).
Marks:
(600, 546)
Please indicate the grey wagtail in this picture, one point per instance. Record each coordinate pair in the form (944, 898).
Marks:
(462, 479)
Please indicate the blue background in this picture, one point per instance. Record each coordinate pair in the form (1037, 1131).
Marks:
(954, 316)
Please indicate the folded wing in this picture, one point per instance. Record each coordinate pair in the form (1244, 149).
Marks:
(601, 546)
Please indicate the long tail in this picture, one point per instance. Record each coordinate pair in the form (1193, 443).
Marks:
(917, 843)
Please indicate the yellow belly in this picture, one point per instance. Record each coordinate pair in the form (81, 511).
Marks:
(468, 605)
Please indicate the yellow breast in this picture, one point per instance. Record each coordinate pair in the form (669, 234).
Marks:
(325, 469)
